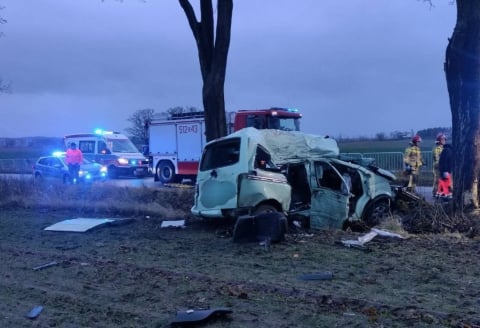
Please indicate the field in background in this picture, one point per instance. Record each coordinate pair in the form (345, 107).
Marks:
(372, 146)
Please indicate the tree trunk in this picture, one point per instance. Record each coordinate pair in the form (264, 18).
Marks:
(212, 54)
(462, 70)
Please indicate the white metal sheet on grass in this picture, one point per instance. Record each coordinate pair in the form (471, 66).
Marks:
(77, 225)
(173, 223)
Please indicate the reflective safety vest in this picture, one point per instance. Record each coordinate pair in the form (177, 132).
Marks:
(436, 151)
(413, 157)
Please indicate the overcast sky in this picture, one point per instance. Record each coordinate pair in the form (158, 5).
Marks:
(352, 67)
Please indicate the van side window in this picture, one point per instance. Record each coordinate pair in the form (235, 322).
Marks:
(87, 146)
(298, 179)
(102, 148)
(219, 154)
(328, 178)
(263, 159)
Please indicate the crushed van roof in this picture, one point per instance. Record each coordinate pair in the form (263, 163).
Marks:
(288, 145)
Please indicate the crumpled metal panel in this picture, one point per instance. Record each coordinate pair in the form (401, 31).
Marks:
(218, 193)
(257, 189)
(329, 209)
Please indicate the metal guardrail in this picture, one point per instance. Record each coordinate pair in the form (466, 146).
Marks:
(393, 161)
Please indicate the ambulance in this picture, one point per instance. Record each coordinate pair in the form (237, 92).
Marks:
(113, 150)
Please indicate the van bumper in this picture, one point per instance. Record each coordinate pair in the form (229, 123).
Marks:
(222, 213)
(207, 213)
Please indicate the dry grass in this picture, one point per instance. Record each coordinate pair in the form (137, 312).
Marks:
(409, 217)
(96, 198)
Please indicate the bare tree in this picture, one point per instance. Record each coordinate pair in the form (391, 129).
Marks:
(212, 54)
(462, 70)
(137, 131)
(4, 86)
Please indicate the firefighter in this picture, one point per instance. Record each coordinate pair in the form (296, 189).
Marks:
(445, 167)
(413, 161)
(436, 151)
(73, 158)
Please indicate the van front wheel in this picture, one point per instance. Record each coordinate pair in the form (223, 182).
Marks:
(377, 212)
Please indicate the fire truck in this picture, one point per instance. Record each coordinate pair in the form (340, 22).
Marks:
(176, 141)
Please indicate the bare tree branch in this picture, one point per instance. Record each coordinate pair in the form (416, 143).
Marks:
(5, 87)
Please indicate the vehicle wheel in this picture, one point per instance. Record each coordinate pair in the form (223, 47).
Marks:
(270, 226)
(166, 172)
(264, 209)
(112, 172)
(377, 212)
(38, 177)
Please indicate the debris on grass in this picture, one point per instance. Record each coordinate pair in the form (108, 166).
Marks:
(173, 223)
(198, 316)
(34, 312)
(362, 240)
(326, 275)
(44, 266)
(77, 225)
(85, 224)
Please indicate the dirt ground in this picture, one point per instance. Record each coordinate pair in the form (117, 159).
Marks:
(139, 275)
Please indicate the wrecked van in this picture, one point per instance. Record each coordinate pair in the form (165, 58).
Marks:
(301, 175)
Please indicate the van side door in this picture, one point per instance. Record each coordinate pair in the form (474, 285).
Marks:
(329, 205)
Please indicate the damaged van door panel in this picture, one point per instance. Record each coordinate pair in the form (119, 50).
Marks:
(330, 197)
(261, 186)
(264, 184)
(329, 209)
(218, 179)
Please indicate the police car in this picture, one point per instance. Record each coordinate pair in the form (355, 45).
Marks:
(54, 167)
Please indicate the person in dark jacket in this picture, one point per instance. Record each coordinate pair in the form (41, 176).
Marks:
(445, 166)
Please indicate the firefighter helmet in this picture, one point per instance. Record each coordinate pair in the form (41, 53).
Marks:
(416, 138)
(441, 136)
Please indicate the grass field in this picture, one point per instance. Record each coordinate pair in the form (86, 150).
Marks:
(374, 146)
(23, 152)
(141, 273)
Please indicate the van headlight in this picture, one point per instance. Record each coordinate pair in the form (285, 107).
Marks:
(123, 161)
(103, 169)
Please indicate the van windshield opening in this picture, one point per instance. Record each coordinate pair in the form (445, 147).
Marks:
(219, 154)
(122, 146)
(283, 123)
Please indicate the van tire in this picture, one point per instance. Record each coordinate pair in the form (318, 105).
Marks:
(377, 212)
(165, 172)
(271, 226)
(264, 208)
(38, 177)
(112, 172)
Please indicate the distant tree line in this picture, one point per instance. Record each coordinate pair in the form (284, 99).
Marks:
(430, 133)
(32, 142)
